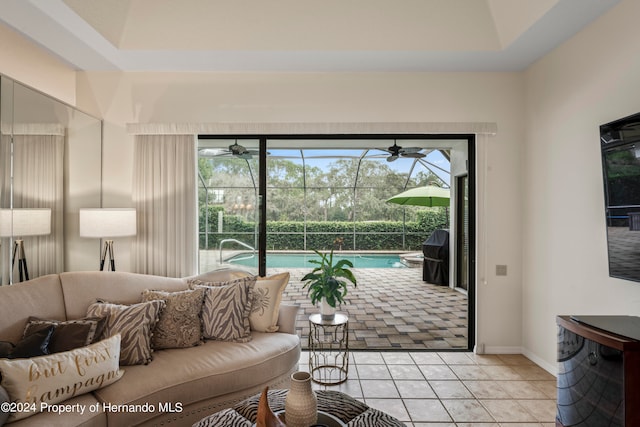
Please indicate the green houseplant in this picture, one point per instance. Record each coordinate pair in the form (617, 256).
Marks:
(327, 282)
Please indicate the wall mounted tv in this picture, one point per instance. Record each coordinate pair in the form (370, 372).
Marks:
(620, 144)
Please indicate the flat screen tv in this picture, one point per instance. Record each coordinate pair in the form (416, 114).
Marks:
(620, 144)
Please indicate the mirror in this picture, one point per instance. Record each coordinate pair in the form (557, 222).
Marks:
(50, 167)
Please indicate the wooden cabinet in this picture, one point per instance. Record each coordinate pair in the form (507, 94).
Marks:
(599, 371)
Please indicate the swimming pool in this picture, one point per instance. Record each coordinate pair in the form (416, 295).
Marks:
(301, 260)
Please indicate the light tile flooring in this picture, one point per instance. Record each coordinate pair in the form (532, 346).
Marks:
(446, 389)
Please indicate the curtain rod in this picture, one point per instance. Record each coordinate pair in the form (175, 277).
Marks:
(486, 128)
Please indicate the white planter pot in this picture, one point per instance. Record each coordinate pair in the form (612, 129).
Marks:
(327, 312)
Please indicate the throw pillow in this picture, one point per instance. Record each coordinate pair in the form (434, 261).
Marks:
(36, 344)
(179, 325)
(6, 348)
(226, 309)
(57, 377)
(267, 295)
(69, 334)
(135, 324)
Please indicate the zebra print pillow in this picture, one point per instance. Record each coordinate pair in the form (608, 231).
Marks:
(135, 324)
(226, 309)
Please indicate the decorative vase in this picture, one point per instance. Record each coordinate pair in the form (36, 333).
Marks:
(326, 311)
(301, 404)
(266, 417)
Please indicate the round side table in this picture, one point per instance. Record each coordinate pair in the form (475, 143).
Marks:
(329, 349)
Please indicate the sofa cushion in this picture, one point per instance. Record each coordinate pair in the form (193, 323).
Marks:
(135, 323)
(81, 288)
(195, 374)
(93, 416)
(226, 309)
(69, 334)
(267, 296)
(57, 377)
(41, 296)
(179, 324)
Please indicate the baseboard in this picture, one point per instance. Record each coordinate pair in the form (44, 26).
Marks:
(552, 368)
(502, 350)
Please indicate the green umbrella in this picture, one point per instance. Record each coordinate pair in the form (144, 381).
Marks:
(423, 196)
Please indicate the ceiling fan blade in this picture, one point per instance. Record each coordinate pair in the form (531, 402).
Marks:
(410, 149)
(213, 152)
(414, 155)
(392, 158)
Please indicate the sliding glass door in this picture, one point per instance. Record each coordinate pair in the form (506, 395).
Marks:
(228, 201)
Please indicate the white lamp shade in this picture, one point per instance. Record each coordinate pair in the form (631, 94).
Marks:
(108, 222)
(25, 222)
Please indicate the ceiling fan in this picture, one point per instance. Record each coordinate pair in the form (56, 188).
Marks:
(235, 150)
(396, 151)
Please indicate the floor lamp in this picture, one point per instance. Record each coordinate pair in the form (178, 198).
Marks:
(19, 223)
(106, 223)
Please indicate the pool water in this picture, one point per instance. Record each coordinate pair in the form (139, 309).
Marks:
(297, 260)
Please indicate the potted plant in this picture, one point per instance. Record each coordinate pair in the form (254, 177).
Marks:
(328, 283)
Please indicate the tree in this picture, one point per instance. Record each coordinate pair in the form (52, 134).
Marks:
(319, 189)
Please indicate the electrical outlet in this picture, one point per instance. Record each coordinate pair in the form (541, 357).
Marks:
(501, 270)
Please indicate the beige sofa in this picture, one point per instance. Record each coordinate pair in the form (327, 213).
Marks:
(197, 380)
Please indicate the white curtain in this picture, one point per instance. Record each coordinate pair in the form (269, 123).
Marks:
(38, 161)
(164, 193)
(5, 202)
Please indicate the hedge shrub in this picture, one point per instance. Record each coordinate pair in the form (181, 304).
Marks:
(289, 235)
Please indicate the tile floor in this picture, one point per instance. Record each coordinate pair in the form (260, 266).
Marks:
(447, 389)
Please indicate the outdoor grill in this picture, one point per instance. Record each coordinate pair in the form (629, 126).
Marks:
(435, 268)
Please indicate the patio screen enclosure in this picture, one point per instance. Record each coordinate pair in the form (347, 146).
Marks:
(303, 193)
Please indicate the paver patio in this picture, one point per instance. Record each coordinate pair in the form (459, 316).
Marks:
(392, 308)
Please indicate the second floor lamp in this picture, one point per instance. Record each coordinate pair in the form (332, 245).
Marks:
(21, 223)
(107, 223)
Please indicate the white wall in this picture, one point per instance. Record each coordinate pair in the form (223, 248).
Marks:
(25, 62)
(121, 98)
(340, 97)
(592, 79)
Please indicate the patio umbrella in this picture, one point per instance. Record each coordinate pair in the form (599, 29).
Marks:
(428, 195)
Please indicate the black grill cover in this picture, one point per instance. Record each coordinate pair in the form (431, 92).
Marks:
(435, 268)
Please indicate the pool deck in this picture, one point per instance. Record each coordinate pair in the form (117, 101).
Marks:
(391, 309)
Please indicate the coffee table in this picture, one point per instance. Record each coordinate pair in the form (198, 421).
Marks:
(324, 419)
(340, 408)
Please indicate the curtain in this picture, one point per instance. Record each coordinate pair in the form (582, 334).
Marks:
(38, 162)
(164, 194)
(5, 202)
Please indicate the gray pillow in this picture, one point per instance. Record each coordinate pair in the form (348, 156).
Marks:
(134, 323)
(179, 325)
(226, 309)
